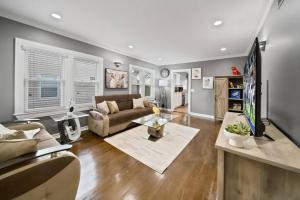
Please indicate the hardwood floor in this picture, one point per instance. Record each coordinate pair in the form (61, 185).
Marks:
(182, 109)
(107, 173)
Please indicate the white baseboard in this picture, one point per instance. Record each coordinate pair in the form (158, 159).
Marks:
(202, 115)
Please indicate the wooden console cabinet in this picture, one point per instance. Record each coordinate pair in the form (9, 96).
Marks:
(224, 85)
(263, 170)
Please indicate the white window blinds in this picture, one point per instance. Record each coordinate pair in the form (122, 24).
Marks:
(85, 82)
(43, 80)
(48, 77)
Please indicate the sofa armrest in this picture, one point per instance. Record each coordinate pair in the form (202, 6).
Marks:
(30, 126)
(151, 104)
(34, 155)
(48, 177)
(96, 115)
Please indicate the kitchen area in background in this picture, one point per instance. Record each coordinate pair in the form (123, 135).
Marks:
(180, 92)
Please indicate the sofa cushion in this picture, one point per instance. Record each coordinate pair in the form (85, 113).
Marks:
(103, 106)
(13, 148)
(128, 115)
(43, 135)
(124, 101)
(146, 102)
(45, 140)
(138, 103)
(113, 107)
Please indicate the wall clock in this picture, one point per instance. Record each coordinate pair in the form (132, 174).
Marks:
(164, 72)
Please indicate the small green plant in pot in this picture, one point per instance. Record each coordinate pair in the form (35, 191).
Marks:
(237, 133)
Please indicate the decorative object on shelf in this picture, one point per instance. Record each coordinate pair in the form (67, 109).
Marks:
(117, 64)
(196, 73)
(235, 86)
(235, 71)
(116, 79)
(208, 83)
(164, 73)
(71, 108)
(235, 94)
(237, 106)
(237, 134)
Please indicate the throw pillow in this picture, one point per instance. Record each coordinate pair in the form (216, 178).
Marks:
(103, 107)
(113, 107)
(138, 103)
(13, 148)
(146, 102)
(31, 133)
(8, 134)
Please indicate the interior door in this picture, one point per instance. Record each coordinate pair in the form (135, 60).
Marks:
(221, 97)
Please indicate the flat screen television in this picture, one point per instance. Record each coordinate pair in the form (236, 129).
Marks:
(252, 91)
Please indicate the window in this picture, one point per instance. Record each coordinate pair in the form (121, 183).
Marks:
(142, 81)
(47, 77)
(42, 82)
(85, 81)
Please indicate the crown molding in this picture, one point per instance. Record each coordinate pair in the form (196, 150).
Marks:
(208, 59)
(52, 29)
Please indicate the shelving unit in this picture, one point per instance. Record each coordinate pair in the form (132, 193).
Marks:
(225, 101)
(235, 94)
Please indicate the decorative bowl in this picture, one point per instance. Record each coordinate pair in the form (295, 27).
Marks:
(236, 140)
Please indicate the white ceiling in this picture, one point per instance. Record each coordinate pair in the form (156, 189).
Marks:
(177, 31)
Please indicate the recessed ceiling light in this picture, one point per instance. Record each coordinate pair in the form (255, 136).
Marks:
(223, 49)
(218, 23)
(56, 16)
(130, 46)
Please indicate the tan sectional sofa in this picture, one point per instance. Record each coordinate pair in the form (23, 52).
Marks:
(51, 173)
(106, 124)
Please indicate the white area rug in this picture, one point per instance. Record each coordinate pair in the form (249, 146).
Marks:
(157, 154)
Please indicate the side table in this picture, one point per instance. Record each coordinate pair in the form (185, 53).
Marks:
(69, 126)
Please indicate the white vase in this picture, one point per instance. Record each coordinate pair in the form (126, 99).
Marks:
(235, 139)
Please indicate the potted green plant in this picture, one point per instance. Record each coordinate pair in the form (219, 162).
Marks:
(237, 133)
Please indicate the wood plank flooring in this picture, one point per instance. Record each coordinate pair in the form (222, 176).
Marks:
(182, 109)
(107, 173)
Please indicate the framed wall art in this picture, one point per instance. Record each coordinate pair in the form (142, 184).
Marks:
(116, 79)
(196, 73)
(208, 83)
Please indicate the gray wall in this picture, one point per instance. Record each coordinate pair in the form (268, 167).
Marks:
(10, 29)
(281, 66)
(202, 100)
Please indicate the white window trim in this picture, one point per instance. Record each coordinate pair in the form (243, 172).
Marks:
(19, 77)
(143, 84)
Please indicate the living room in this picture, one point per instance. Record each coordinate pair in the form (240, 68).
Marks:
(149, 99)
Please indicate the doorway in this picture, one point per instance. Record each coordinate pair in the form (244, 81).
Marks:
(181, 90)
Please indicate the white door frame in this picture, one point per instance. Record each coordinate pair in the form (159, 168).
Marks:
(188, 71)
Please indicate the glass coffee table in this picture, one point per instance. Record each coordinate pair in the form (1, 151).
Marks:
(155, 123)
